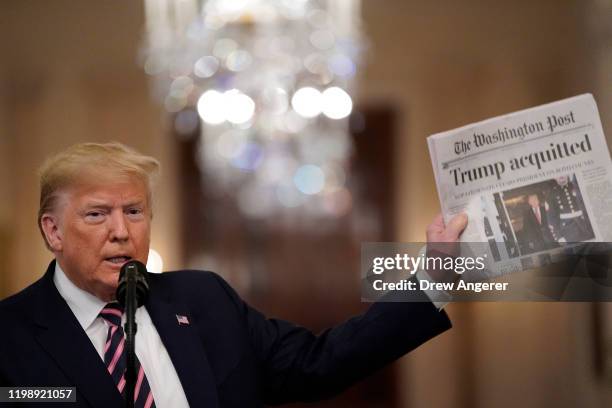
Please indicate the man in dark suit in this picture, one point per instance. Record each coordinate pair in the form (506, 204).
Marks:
(535, 236)
(198, 344)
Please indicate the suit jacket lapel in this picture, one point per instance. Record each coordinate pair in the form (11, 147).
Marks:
(184, 347)
(60, 334)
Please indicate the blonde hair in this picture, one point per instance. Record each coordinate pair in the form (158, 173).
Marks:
(108, 159)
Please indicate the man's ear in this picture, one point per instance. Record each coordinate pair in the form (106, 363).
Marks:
(51, 228)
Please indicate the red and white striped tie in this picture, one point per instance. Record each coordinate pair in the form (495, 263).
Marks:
(115, 358)
(538, 214)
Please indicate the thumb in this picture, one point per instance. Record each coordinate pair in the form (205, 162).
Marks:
(457, 224)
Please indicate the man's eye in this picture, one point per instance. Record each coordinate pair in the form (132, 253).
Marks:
(134, 211)
(94, 215)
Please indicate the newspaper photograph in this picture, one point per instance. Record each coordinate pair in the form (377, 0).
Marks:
(534, 183)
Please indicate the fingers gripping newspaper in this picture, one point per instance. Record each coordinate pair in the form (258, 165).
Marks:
(533, 182)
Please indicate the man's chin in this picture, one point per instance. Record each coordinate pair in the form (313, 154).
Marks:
(108, 286)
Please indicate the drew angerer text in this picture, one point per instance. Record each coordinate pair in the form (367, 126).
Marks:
(422, 284)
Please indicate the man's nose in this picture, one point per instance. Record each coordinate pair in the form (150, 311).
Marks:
(118, 227)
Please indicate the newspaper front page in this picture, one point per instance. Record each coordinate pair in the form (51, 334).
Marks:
(533, 182)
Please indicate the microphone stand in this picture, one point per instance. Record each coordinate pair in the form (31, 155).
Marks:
(132, 292)
(130, 339)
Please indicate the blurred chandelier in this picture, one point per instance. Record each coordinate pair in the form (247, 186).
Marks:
(269, 83)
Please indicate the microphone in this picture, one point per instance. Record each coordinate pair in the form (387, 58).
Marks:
(133, 272)
(132, 292)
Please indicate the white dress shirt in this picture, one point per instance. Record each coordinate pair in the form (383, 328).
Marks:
(153, 356)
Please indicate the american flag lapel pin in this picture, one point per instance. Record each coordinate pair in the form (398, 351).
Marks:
(182, 320)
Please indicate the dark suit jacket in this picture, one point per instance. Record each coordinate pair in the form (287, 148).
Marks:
(535, 236)
(230, 355)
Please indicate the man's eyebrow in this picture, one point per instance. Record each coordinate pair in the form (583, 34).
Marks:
(97, 204)
(106, 205)
(140, 205)
(136, 202)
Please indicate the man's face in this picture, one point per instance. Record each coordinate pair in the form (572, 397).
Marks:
(533, 200)
(562, 180)
(99, 228)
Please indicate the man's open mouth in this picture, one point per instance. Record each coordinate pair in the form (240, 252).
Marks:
(118, 259)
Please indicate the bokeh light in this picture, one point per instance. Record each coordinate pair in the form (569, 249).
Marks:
(155, 263)
(233, 106)
(239, 108)
(206, 66)
(337, 104)
(309, 179)
(307, 102)
(211, 107)
(186, 122)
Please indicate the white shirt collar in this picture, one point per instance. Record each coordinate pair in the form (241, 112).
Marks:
(85, 306)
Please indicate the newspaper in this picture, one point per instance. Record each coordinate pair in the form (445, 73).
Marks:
(532, 182)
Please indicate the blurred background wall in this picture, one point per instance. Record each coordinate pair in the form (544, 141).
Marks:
(68, 73)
